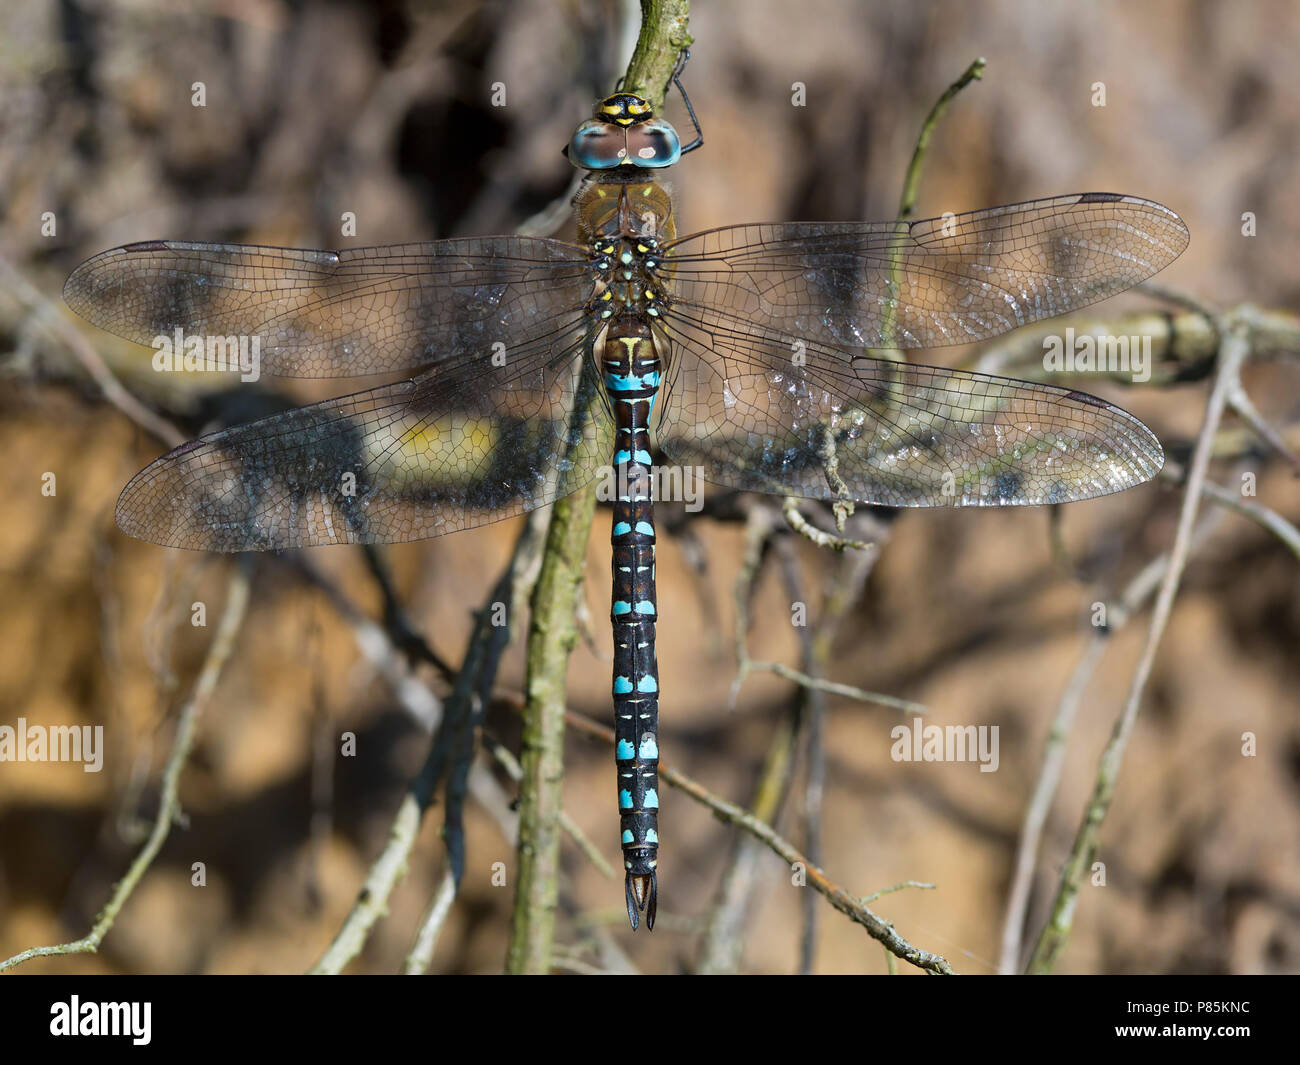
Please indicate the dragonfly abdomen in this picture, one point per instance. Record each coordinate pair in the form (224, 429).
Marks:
(632, 372)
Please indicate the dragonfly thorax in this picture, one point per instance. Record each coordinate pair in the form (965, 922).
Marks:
(624, 203)
(629, 277)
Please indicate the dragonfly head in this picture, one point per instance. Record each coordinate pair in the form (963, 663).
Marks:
(623, 131)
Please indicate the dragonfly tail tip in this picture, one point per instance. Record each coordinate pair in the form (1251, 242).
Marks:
(642, 893)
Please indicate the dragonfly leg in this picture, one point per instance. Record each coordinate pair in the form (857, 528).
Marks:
(682, 60)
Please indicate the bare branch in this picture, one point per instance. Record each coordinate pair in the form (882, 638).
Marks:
(169, 808)
(1057, 931)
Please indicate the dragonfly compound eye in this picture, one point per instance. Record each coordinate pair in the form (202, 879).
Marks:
(653, 144)
(597, 145)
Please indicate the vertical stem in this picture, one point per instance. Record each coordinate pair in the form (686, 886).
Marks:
(664, 33)
(911, 183)
(552, 635)
(1056, 933)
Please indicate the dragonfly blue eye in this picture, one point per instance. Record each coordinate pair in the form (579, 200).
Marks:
(653, 144)
(599, 144)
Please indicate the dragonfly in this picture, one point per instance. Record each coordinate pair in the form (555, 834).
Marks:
(749, 353)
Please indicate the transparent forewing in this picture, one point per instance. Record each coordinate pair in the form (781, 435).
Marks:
(929, 283)
(337, 313)
(834, 425)
(466, 443)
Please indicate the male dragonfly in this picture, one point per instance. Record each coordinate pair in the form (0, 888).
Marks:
(743, 351)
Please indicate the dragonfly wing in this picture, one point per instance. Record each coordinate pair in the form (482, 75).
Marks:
(835, 425)
(336, 313)
(466, 443)
(928, 283)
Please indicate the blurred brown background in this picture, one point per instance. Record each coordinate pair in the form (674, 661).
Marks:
(383, 109)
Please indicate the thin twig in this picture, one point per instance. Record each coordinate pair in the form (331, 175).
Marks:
(1056, 933)
(801, 525)
(810, 710)
(722, 940)
(426, 938)
(849, 691)
(898, 887)
(854, 908)
(505, 758)
(1118, 614)
(46, 315)
(169, 808)
(1265, 517)
(391, 864)
(757, 530)
(380, 646)
(907, 202)
(399, 626)
(912, 181)
(1241, 405)
(1179, 297)
(843, 591)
